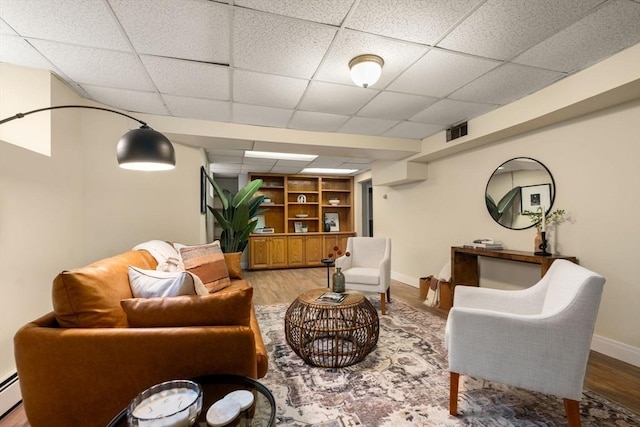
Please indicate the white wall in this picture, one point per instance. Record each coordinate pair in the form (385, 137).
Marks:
(78, 206)
(595, 161)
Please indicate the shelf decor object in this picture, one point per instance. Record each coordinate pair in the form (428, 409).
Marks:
(139, 149)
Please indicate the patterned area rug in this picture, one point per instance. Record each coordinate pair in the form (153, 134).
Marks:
(405, 382)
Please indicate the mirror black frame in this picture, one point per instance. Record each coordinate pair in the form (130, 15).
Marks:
(515, 193)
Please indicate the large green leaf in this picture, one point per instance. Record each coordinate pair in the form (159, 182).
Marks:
(491, 206)
(246, 192)
(223, 198)
(507, 200)
(224, 223)
(240, 220)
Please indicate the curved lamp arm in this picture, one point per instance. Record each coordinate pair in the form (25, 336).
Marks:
(138, 149)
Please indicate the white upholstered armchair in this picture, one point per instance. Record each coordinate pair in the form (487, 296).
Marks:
(368, 268)
(537, 338)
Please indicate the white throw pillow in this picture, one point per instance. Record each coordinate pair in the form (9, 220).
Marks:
(154, 283)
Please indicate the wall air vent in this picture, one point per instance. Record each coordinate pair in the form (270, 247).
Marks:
(456, 131)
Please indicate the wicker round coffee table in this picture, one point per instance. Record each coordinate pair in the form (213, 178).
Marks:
(331, 335)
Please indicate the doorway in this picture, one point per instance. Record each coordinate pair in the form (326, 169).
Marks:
(367, 208)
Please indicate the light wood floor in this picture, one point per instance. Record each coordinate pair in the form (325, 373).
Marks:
(609, 377)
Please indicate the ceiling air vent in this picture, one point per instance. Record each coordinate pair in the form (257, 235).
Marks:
(455, 132)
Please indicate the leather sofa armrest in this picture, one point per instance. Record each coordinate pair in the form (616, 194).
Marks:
(86, 376)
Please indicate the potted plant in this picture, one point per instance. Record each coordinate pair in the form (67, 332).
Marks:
(551, 218)
(238, 215)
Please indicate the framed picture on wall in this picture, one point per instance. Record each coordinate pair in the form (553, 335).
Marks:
(533, 197)
(334, 221)
(297, 227)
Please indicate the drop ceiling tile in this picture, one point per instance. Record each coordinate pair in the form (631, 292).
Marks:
(506, 84)
(351, 165)
(188, 78)
(367, 126)
(107, 68)
(234, 160)
(286, 169)
(500, 29)
(589, 40)
(6, 29)
(321, 122)
(258, 161)
(15, 50)
(418, 21)
(292, 163)
(413, 130)
(227, 153)
(130, 100)
(279, 45)
(449, 112)
(398, 106)
(267, 90)
(338, 99)
(397, 55)
(197, 30)
(439, 73)
(328, 162)
(85, 23)
(198, 108)
(324, 11)
(261, 116)
(255, 168)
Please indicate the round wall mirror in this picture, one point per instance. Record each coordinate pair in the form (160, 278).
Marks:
(516, 186)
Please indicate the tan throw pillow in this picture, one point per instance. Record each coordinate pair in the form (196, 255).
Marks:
(207, 262)
(228, 307)
(154, 283)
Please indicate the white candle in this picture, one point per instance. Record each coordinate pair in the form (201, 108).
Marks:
(544, 219)
(156, 408)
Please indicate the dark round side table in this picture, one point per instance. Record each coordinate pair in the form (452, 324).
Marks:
(261, 414)
(331, 335)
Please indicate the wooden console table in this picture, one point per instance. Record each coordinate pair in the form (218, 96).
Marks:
(464, 262)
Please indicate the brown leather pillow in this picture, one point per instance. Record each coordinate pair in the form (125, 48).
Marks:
(89, 297)
(228, 307)
(207, 262)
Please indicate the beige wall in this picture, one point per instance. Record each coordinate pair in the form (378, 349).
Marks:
(78, 206)
(595, 161)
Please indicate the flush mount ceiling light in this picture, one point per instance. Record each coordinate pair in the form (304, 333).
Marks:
(279, 156)
(139, 149)
(366, 69)
(329, 171)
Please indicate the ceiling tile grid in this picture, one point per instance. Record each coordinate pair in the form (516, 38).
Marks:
(284, 63)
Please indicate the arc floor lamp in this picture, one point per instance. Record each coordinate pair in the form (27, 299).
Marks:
(139, 149)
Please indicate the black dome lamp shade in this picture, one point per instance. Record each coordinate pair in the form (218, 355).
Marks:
(139, 149)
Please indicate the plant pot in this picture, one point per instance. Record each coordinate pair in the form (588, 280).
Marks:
(537, 242)
(233, 264)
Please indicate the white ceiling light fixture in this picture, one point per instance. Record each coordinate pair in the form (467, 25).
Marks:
(366, 69)
(280, 156)
(328, 171)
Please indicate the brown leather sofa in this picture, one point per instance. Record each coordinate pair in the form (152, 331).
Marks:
(74, 375)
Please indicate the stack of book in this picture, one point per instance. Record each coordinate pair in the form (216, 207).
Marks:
(331, 298)
(484, 244)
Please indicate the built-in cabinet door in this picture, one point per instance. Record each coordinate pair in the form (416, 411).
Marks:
(277, 252)
(259, 252)
(295, 251)
(333, 241)
(313, 251)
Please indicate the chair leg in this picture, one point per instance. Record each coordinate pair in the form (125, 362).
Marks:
(453, 393)
(572, 409)
(389, 294)
(383, 304)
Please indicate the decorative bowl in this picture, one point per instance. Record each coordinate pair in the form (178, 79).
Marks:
(171, 403)
(302, 215)
(334, 202)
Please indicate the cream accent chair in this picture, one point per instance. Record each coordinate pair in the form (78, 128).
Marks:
(368, 268)
(537, 338)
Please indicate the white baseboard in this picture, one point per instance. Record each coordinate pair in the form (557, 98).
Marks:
(616, 349)
(9, 393)
(408, 280)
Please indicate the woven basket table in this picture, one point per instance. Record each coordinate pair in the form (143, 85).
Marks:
(328, 335)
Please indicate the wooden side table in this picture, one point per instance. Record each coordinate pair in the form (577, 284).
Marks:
(328, 335)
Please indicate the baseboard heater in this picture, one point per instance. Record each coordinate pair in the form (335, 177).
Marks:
(10, 395)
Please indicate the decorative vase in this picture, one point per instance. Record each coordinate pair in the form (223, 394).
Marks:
(327, 227)
(338, 281)
(537, 242)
